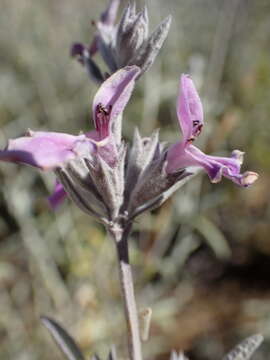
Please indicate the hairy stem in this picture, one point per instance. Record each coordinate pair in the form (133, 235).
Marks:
(134, 343)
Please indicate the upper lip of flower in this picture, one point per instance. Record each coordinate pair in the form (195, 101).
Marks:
(184, 154)
(189, 110)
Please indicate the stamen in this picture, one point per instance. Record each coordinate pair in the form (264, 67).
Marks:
(190, 140)
(197, 127)
(102, 109)
(102, 119)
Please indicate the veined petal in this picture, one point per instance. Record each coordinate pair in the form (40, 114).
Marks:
(58, 196)
(112, 97)
(180, 156)
(189, 109)
(45, 150)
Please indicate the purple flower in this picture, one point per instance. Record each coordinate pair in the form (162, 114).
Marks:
(125, 43)
(52, 150)
(58, 195)
(184, 154)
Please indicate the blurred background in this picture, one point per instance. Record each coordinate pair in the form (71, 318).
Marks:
(202, 261)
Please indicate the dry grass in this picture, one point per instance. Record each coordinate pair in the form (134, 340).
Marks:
(201, 261)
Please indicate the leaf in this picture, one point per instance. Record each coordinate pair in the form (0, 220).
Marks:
(62, 339)
(159, 200)
(177, 356)
(245, 349)
(93, 69)
(148, 52)
(213, 236)
(112, 354)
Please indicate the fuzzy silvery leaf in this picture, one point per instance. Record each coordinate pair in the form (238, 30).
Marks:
(133, 8)
(157, 201)
(120, 172)
(112, 354)
(152, 182)
(93, 70)
(145, 22)
(131, 35)
(65, 342)
(177, 356)
(107, 54)
(146, 55)
(245, 349)
(81, 176)
(95, 357)
(77, 195)
(142, 152)
(125, 23)
(106, 180)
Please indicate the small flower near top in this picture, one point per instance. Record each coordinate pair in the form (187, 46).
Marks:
(120, 44)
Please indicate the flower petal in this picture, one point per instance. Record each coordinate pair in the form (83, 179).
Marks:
(45, 150)
(109, 15)
(77, 50)
(105, 24)
(189, 109)
(181, 157)
(112, 97)
(58, 196)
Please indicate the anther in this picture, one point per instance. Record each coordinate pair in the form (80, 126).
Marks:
(102, 109)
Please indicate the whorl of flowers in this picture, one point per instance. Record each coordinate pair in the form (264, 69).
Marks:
(111, 181)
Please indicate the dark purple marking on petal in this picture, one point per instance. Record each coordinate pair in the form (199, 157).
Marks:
(189, 109)
(77, 50)
(102, 120)
(113, 95)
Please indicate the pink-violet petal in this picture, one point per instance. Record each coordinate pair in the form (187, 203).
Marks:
(112, 97)
(182, 157)
(58, 196)
(189, 109)
(45, 150)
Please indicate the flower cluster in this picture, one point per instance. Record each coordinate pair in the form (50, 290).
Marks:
(122, 44)
(105, 177)
(110, 181)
